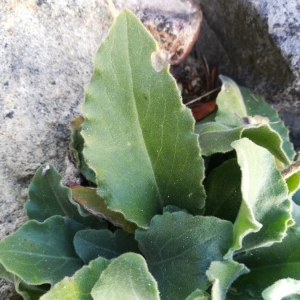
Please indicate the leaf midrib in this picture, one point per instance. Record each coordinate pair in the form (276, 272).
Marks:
(139, 127)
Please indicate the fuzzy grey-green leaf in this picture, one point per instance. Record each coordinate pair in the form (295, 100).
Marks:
(217, 138)
(42, 252)
(90, 244)
(79, 286)
(235, 102)
(265, 212)
(222, 274)
(127, 277)
(139, 137)
(270, 264)
(179, 249)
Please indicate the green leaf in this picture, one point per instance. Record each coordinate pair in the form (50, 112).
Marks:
(231, 105)
(265, 212)
(90, 244)
(127, 277)
(179, 249)
(236, 102)
(47, 198)
(223, 188)
(291, 174)
(41, 252)
(270, 264)
(79, 286)
(198, 295)
(293, 182)
(139, 137)
(296, 214)
(282, 289)
(222, 274)
(256, 105)
(76, 147)
(217, 138)
(30, 292)
(93, 203)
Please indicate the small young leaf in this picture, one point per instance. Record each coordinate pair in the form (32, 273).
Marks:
(90, 244)
(41, 252)
(79, 286)
(93, 203)
(223, 188)
(217, 138)
(127, 277)
(138, 136)
(269, 264)
(47, 197)
(222, 274)
(179, 249)
(283, 288)
(265, 212)
(231, 105)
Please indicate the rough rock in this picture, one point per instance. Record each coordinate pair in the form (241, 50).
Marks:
(46, 55)
(45, 61)
(261, 39)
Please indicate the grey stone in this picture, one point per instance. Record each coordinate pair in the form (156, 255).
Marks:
(261, 39)
(46, 52)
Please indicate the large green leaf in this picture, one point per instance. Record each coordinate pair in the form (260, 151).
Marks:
(93, 203)
(270, 264)
(138, 136)
(127, 277)
(217, 138)
(41, 252)
(282, 289)
(179, 249)
(79, 286)
(48, 197)
(236, 102)
(222, 274)
(90, 244)
(223, 188)
(257, 106)
(265, 211)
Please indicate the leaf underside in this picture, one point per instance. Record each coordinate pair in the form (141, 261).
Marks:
(265, 211)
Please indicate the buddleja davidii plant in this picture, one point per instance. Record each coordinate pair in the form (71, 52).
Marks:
(138, 151)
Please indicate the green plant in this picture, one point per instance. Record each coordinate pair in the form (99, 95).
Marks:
(155, 219)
